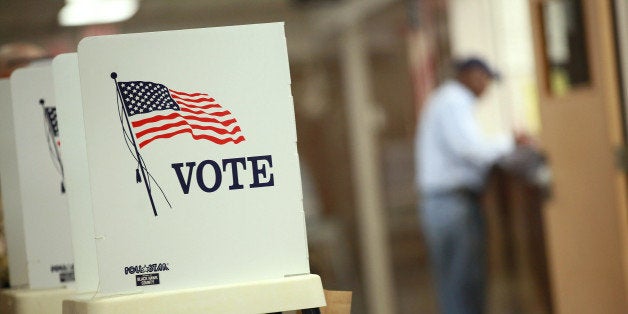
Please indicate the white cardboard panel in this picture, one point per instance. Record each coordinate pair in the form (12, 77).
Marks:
(44, 206)
(72, 135)
(223, 236)
(11, 204)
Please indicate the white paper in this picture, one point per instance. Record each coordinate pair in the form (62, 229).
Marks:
(11, 203)
(72, 135)
(206, 238)
(44, 205)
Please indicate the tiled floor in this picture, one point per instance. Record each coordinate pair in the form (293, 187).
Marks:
(507, 293)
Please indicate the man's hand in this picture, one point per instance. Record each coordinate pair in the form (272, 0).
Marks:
(524, 139)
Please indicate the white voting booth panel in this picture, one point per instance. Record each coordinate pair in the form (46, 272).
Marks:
(40, 253)
(194, 174)
(39, 165)
(11, 205)
(72, 134)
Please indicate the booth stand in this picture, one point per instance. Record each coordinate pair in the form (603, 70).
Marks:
(268, 296)
(31, 301)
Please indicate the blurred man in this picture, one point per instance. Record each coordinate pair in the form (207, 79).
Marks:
(453, 158)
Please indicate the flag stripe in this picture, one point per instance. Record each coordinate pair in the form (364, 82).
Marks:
(220, 131)
(194, 136)
(188, 94)
(173, 115)
(199, 107)
(199, 112)
(194, 100)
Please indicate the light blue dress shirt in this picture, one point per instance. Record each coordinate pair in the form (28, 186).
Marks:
(451, 150)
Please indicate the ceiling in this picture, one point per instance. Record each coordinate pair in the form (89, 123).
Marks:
(311, 25)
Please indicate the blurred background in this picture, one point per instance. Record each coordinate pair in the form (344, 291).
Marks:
(362, 69)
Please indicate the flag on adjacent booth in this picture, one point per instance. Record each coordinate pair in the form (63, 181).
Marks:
(52, 137)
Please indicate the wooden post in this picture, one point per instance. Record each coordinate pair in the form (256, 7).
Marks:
(363, 127)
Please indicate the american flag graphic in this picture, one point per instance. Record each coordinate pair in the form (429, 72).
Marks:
(51, 127)
(157, 112)
(51, 116)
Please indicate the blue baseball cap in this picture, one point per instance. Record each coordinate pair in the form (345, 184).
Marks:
(475, 62)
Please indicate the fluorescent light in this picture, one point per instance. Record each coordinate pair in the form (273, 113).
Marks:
(87, 12)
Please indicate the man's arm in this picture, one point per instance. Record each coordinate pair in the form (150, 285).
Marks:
(463, 136)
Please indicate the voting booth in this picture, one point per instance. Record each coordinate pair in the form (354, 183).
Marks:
(174, 156)
(41, 266)
(76, 179)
